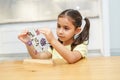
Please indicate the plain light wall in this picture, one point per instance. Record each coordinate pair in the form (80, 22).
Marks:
(114, 26)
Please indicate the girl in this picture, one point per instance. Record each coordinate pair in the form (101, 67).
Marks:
(73, 35)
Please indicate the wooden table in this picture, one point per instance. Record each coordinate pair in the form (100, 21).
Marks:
(94, 68)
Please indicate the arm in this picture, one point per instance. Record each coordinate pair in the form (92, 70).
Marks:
(69, 56)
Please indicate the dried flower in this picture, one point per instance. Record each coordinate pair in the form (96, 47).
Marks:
(43, 41)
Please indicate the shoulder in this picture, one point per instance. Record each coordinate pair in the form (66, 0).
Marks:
(82, 48)
(84, 44)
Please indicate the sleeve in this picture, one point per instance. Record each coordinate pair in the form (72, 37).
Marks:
(82, 48)
(50, 50)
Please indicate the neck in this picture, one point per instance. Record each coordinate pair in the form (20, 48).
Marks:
(68, 42)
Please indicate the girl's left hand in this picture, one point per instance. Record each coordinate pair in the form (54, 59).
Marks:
(48, 34)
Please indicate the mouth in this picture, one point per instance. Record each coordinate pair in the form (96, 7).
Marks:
(61, 37)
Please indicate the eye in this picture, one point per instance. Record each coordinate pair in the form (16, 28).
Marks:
(66, 28)
(58, 26)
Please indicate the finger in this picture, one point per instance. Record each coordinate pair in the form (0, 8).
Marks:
(22, 39)
(21, 36)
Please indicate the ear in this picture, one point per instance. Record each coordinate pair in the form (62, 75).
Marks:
(77, 30)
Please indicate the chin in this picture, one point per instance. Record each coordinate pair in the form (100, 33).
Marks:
(60, 39)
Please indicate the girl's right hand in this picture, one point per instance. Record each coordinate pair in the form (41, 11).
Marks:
(24, 36)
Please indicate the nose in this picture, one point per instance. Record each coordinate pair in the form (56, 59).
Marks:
(60, 30)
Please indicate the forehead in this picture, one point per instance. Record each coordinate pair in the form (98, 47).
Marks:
(64, 21)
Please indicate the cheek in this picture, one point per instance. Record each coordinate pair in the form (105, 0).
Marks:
(70, 34)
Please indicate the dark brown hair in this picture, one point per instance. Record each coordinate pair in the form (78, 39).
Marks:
(76, 20)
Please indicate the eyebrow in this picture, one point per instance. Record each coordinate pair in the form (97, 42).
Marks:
(62, 25)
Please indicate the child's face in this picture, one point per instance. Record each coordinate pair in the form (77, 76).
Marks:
(65, 30)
